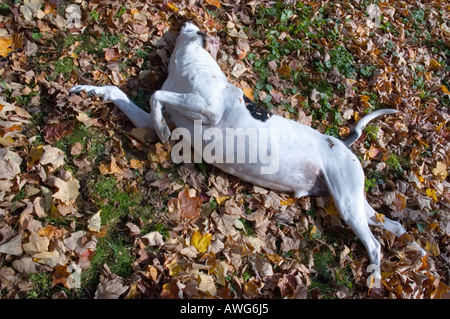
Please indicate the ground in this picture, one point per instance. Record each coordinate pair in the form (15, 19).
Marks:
(92, 207)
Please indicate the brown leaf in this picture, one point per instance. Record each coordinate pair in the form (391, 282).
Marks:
(112, 54)
(60, 275)
(55, 131)
(189, 206)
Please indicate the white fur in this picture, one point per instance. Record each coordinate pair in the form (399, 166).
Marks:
(310, 163)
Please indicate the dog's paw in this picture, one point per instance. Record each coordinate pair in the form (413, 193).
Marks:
(163, 132)
(105, 92)
(90, 89)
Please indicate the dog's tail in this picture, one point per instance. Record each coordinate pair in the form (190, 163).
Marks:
(358, 130)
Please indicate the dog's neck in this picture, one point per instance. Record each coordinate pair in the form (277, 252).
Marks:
(189, 52)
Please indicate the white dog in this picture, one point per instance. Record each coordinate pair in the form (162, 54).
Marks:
(309, 163)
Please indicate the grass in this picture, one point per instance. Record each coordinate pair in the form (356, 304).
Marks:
(92, 140)
(330, 276)
(117, 207)
(42, 285)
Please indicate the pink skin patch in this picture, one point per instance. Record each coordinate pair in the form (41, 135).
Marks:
(212, 46)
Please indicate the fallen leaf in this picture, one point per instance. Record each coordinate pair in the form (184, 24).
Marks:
(285, 71)
(95, 222)
(288, 201)
(86, 120)
(215, 3)
(445, 90)
(432, 194)
(5, 46)
(379, 217)
(189, 206)
(35, 154)
(53, 156)
(201, 242)
(11, 164)
(432, 247)
(67, 190)
(13, 246)
(154, 238)
(207, 284)
(36, 244)
(440, 170)
(111, 286)
(60, 275)
(49, 258)
(112, 54)
(399, 202)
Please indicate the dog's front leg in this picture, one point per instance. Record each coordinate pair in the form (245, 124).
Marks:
(137, 116)
(191, 105)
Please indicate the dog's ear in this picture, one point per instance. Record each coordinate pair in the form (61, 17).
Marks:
(189, 26)
(203, 37)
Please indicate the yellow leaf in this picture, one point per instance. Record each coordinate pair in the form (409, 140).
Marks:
(285, 71)
(248, 92)
(432, 193)
(201, 242)
(432, 248)
(36, 154)
(444, 89)
(215, 3)
(314, 231)
(172, 6)
(221, 199)
(331, 210)
(287, 201)
(6, 141)
(434, 64)
(440, 170)
(5, 46)
(379, 217)
(136, 164)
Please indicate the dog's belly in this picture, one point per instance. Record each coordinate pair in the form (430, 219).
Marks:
(305, 180)
(294, 164)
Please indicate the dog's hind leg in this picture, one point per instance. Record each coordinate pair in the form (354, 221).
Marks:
(387, 224)
(137, 116)
(345, 181)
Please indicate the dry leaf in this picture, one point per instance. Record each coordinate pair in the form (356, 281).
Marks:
(432, 194)
(215, 3)
(154, 238)
(95, 222)
(11, 163)
(13, 246)
(440, 170)
(189, 206)
(207, 284)
(53, 156)
(36, 244)
(67, 191)
(35, 154)
(5, 46)
(201, 242)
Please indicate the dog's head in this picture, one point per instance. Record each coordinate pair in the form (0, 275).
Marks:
(190, 32)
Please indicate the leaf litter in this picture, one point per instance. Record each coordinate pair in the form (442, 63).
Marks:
(75, 174)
